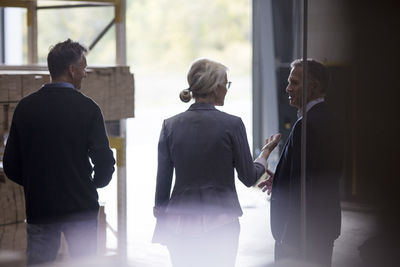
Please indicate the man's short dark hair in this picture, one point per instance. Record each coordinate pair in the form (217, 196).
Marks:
(62, 55)
(316, 71)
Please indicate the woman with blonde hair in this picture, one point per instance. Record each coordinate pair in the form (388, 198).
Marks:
(199, 221)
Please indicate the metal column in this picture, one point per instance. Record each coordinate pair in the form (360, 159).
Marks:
(32, 32)
(119, 143)
(120, 31)
(265, 107)
(303, 193)
(2, 42)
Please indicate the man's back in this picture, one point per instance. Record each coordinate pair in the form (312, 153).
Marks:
(53, 132)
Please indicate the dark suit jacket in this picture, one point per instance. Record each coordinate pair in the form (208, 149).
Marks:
(204, 146)
(322, 188)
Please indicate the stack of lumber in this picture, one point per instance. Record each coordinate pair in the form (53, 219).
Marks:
(112, 88)
(12, 215)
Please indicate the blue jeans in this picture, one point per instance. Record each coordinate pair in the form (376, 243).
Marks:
(44, 240)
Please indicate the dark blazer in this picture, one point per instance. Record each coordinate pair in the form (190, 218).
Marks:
(322, 185)
(53, 133)
(204, 146)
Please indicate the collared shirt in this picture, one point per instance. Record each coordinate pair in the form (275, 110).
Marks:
(309, 106)
(60, 84)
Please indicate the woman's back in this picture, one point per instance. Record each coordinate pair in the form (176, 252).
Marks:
(204, 145)
(201, 146)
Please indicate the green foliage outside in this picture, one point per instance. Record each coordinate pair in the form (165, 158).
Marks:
(164, 35)
(173, 33)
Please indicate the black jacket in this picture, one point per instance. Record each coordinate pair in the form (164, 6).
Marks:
(204, 146)
(53, 133)
(322, 181)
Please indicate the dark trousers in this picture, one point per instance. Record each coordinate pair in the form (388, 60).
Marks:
(217, 248)
(44, 240)
(318, 252)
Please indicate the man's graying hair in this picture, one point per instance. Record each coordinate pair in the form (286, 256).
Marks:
(316, 71)
(64, 54)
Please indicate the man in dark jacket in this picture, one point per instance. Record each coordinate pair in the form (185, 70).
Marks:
(323, 168)
(54, 134)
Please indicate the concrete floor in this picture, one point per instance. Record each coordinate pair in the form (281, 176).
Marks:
(256, 243)
(357, 226)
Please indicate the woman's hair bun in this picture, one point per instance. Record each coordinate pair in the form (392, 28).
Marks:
(185, 95)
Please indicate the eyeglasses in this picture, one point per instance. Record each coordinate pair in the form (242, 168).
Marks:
(228, 84)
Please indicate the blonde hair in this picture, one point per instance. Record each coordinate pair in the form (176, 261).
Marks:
(204, 77)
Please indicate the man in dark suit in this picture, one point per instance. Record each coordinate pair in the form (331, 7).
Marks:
(323, 215)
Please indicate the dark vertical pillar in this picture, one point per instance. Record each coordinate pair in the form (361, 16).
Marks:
(376, 60)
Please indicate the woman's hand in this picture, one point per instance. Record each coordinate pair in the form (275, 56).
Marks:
(270, 144)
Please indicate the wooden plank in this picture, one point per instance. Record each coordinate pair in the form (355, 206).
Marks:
(3, 88)
(13, 237)
(12, 203)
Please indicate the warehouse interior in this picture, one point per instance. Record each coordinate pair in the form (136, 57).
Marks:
(358, 42)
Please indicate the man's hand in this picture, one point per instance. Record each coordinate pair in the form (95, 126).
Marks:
(267, 184)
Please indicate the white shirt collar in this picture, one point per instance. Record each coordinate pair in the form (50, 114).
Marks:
(309, 106)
